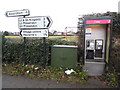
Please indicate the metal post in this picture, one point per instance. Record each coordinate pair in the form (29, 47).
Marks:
(44, 51)
(24, 45)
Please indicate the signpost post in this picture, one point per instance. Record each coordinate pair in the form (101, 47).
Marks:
(24, 44)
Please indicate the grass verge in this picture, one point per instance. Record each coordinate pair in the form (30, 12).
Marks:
(49, 73)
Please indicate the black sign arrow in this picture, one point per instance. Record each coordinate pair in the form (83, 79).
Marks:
(20, 32)
(49, 22)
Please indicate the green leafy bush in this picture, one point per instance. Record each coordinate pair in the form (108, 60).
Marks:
(114, 62)
(112, 79)
(83, 75)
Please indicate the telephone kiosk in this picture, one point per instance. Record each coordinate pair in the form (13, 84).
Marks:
(97, 40)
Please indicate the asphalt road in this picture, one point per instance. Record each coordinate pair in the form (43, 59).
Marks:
(26, 82)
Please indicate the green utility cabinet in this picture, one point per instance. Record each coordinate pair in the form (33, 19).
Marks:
(64, 56)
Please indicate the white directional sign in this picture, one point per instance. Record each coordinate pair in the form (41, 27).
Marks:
(40, 22)
(24, 12)
(34, 33)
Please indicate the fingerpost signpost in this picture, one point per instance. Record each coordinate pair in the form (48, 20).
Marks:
(37, 26)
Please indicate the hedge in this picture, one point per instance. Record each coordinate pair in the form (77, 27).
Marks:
(14, 50)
